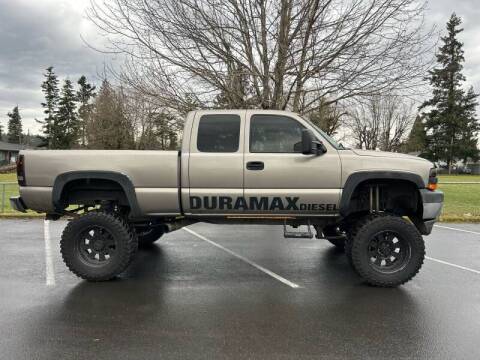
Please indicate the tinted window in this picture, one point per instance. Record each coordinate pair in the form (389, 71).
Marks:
(218, 133)
(275, 134)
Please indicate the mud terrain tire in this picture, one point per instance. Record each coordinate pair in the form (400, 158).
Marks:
(386, 251)
(98, 246)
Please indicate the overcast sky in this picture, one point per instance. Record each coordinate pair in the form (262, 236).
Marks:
(35, 34)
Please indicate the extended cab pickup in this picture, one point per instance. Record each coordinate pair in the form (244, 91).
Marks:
(237, 166)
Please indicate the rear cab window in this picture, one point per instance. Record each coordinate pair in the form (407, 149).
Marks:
(218, 133)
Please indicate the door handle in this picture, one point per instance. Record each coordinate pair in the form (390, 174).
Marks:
(255, 165)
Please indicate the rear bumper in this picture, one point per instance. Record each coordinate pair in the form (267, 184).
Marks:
(17, 203)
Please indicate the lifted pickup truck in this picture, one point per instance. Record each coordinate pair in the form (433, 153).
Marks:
(237, 166)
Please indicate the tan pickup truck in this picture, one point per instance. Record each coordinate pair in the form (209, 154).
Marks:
(237, 166)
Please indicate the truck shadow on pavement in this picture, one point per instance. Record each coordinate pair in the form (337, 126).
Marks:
(139, 289)
(146, 311)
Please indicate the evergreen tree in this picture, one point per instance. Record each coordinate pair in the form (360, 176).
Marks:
(471, 128)
(160, 132)
(14, 126)
(66, 118)
(108, 126)
(49, 124)
(85, 94)
(451, 123)
(417, 137)
(1, 132)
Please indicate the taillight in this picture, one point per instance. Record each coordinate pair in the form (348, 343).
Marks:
(432, 180)
(21, 171)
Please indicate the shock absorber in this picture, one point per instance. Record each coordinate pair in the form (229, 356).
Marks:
(374, 192)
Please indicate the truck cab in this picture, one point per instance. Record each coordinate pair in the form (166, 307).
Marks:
(246, 163)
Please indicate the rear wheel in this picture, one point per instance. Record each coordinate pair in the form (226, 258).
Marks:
(98, 246)
(386, 251)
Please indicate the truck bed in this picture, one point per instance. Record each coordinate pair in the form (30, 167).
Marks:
(154, 175)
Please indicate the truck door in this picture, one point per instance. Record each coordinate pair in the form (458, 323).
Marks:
(278, 177)
(215, 169)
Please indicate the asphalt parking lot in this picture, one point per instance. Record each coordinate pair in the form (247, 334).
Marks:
(231, 292)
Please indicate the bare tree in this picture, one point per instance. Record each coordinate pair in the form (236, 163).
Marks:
(265, 53)
(381, 122)
(397, 121)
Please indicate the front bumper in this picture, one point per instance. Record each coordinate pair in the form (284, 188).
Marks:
(17, 203)
(432, 203)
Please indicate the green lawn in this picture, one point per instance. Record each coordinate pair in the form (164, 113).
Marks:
(6, 191)
(459, 178)
(8, 177)
(462, 201)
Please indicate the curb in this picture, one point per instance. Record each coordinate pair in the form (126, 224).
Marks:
(21, 216)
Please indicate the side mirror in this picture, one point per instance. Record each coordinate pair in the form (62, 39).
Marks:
(310, 145)
(307, 142)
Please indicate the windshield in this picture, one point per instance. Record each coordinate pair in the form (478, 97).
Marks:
(330, 140)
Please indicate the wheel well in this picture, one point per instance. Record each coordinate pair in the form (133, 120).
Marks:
(399, 197)
(91, 192)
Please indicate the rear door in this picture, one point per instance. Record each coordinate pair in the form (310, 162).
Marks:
(215, 168)
(278, 177)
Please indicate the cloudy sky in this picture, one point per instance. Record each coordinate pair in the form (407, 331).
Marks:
(35, 34)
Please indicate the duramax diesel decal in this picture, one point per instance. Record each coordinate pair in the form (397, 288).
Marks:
(263, 203)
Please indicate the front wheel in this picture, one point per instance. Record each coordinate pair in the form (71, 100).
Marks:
(387, 251)
(98, 246)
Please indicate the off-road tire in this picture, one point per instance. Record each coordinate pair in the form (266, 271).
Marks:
(148, 237)
(123, 252)
(348, 250)
(410, 240)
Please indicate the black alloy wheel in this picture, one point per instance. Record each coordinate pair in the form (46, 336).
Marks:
(389, 252)
(96, 245)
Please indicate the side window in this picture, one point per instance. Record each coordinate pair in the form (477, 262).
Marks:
(275, 134)
(218, 133)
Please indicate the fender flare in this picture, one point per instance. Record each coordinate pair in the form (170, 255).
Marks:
(122, 179)
(358, 177)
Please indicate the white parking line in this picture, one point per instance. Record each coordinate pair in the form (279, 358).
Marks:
(456, 229)
(255, 265)
(453, 265)
(50, 273)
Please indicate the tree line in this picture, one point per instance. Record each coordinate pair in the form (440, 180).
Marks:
(66, 111)
(112, 118)
(81, 117)
(354, 68)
